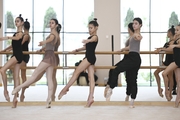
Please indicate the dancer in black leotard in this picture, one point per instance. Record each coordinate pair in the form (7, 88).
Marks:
(168, 60)
(25, 43)
(87, 63)
(16, 58)
(174, 66)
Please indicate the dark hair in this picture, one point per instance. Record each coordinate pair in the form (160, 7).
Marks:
(22, 20)
(0, 24)
(94, 22)
(26, 24)
(172, 30)
(138, 19)
(130, 26)
(58, 29)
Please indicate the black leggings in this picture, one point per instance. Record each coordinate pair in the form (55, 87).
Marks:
(131, 63)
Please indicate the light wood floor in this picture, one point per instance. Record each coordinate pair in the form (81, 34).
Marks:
(148, 105)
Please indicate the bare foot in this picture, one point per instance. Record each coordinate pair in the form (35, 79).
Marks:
(6, 95)
(160, 92)
(15, 101)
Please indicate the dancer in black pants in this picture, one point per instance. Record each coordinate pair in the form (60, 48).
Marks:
(130, 63)
(126, 48)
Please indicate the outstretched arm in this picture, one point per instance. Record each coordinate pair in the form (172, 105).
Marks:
(51, 38)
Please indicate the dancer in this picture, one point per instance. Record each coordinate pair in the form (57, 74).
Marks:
(55, 70)
(127, 74)
(25, 43)
(130, 63)
(47, 63)
(168, 60)
(87, 63)
(15, 60)
(173, 66)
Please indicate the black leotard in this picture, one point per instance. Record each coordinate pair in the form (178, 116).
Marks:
(176, 54)
(90, 51)
(169, 57)
(17, 49)
(26, 48)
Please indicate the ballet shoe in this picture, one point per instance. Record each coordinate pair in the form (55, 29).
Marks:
(177, 103)
(48, 103)
(15, 91)
(22, 98)
(6, 95)
(167, 96)
(61, 94)
(15, 101)
(89, 103)
(132, 104)
(160, 92)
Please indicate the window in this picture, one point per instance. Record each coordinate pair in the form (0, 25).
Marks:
(73, 15)
(157, 17)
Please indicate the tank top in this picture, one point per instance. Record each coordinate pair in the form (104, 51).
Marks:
(17, 46)
(134, 45)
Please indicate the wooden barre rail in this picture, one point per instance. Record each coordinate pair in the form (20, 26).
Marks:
(97, 52)
(97, 67)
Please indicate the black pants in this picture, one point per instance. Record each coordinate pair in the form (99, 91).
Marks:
(131, 63)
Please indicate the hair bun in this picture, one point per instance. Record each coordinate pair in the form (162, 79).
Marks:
(26, 19)
(95, 19)
(172, 26)
(19, 15)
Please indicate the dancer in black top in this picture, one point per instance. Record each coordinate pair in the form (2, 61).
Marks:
(174, 66)
(168, 60)
(130, 63)
(25, 43)
(16, 58)
(87, 63)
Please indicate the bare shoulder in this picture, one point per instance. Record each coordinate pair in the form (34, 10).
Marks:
(138, 36)
(95, 38)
